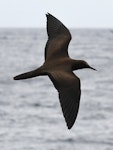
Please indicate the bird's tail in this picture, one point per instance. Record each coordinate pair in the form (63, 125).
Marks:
(29, 74)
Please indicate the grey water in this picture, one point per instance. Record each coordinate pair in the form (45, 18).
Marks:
(30, 113)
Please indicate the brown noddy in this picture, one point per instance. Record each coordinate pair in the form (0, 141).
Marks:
(59, 67)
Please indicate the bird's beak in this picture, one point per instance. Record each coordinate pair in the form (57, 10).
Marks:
(92, 68)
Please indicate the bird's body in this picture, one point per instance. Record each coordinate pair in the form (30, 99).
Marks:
(59, 67)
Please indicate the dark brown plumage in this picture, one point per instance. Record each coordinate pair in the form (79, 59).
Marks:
(59, 67)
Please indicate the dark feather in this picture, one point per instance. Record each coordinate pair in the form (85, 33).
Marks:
(58, 39)
(68, 86)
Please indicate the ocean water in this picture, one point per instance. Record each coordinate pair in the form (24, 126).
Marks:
(30, 113)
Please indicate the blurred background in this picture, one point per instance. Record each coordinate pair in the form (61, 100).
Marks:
(73, 13)
(30, 113)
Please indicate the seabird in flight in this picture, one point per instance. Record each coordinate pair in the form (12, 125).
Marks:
(59, 67)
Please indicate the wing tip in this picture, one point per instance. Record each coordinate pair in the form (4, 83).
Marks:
(48, 14)
(70, 126)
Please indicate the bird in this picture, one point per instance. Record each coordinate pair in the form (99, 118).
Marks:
(59, 67)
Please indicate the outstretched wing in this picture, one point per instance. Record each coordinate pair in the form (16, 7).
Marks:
(68, 86)
(58, 38)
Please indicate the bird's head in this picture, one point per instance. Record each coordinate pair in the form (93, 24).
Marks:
(84, 64)
(81, 64)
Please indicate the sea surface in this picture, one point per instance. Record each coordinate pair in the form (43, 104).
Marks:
(30, 113)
